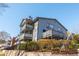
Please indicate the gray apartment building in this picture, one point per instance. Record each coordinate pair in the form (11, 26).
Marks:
(42, 28)
(26, 29)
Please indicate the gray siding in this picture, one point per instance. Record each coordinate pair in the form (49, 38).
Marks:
(42, 24)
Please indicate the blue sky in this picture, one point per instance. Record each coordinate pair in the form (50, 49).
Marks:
(66, 14)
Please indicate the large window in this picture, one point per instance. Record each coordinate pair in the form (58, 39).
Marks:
(51, 26)
(59, 29)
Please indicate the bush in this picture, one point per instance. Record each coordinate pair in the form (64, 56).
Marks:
(66, 43)
(76, 36)
(72, 44)
(22, 46)
(44, 44)
(56, 43)
(49, 44)
(32, 46)
(2, 41)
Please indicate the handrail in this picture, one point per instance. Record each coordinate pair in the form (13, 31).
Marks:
(52, 32)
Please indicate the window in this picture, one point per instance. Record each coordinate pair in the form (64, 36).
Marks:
(51, 26)
(59, 29)
(44, 30)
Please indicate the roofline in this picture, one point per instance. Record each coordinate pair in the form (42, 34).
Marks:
(37, 18)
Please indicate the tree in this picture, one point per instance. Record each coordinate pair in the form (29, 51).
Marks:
(76, 40)
(76, 36)
(68, 34)
(4, 36)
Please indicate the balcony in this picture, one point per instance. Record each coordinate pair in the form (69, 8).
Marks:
(26, 36)
(23, 22)
(27, 21)
(50, 33)
(27, 27)
(47, 33)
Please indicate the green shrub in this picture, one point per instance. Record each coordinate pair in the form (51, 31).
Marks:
(22, 46)
(56, 43)
(72, 44)
(45, 44)
(49, 44)
(32, 46)
(76, 36)
(2, 41)
(66, 43)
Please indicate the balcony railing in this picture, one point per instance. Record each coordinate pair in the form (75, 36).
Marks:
(27, 22)
(27, 27)
(49, 33)
(23, 22)
(26, 36)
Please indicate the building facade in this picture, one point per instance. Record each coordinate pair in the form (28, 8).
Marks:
(26, 29)
(42, 27)
(48, 28)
